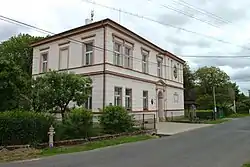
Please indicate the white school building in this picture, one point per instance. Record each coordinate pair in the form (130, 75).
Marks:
(125, 68)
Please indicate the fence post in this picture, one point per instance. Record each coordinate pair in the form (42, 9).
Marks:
(143, 121)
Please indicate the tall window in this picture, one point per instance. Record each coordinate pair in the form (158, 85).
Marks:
(145, 100)
(128, 57)
(176, 97)
(44, 62)
(63, 58)
(117, 54)
(128, 99)
(88, 58)
(118, 96)
(88, 103)
(159, 66)
(145, 63)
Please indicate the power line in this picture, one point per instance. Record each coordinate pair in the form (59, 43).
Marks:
(202, 11)
(186, 14)
(166, 24)
(16, 22)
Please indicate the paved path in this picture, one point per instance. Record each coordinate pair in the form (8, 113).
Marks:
(171, 128)
(225, 145)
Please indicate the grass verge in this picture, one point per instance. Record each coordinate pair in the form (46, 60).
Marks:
(94, 145)
(246, 165)
(22, 154)
(217, 121)
(238, 115)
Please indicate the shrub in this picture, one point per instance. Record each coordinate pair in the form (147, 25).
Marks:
(22, 127)
(77, 124)
(242, 108)
(116, 119)
(204, 114)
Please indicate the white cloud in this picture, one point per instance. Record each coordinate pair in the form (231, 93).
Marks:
(60, 15)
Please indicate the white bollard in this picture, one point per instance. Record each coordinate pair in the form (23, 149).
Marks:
(51, 136)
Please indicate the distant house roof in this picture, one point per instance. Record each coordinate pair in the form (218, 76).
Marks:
(103, 23)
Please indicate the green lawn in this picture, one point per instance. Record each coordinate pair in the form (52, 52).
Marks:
(246, 165)
(94, 145)
(22, 154)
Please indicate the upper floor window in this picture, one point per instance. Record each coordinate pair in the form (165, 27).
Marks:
(117, 54)
(145, 62)
(128, 57)
(145, 100)
(63, 58)
(159, 66)
(128, 99)
(118, 96)
(44, 62)
(88, 56)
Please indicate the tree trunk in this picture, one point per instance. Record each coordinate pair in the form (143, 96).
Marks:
(63, 115)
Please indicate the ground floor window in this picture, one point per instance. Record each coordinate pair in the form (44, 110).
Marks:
(88, 103)
(118, 96)
(128, 99)
(145, 100)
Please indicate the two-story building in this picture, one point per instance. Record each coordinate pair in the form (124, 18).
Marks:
(125, 68)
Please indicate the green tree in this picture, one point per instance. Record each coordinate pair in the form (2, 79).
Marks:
(209, 77)
(18, 48)
(189, 83)
(14, 85)
(59, 89)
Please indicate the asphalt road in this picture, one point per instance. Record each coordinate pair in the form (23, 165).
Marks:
(225, 145)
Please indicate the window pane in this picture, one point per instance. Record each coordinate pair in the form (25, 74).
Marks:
(89, 47)
(117, 47)
(127, 51)
(45, 57)
(144, 58)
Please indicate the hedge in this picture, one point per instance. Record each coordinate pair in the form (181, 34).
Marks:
(77, 124)
(22, 127)
(204, 114)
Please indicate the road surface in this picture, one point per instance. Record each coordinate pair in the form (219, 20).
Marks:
(225, 145)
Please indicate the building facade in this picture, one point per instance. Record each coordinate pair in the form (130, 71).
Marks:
(125, 68)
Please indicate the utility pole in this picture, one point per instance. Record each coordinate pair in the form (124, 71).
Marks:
(215, 109)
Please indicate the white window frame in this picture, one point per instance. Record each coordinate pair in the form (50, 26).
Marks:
(128, 99)
(145, 62)
(117, 101)
(89, 54)
(159, 66)
(118, 54)
(128, 57)
(145, 100)
(44, 63)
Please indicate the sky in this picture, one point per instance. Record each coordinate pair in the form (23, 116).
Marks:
(198, 31)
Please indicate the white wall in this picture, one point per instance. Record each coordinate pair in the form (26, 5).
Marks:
(97, 92)
(75, 51)
(167, 71)
(137, 91)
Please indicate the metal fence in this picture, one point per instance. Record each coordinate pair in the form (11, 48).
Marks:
(145, 121)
